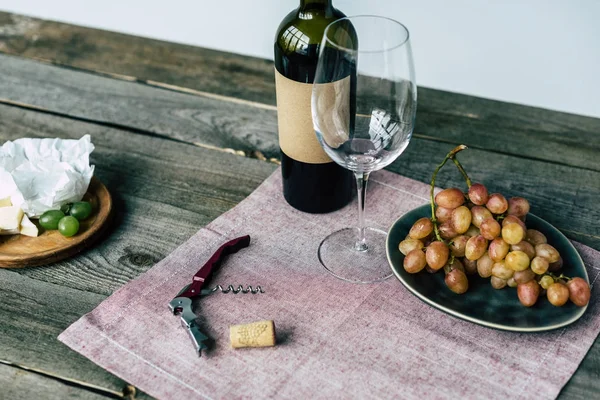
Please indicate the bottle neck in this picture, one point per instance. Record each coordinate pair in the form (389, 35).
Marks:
(323, 4)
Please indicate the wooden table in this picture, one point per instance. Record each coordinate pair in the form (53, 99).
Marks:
(183, 134)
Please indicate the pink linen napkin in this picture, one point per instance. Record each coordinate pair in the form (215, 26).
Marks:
(335, 339)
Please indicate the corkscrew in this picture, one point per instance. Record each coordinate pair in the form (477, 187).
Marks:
(232, 289)
(182, 303)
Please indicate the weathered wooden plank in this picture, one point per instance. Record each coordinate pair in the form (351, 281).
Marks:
(35, 313)
(181, 116)
(164, 192)
(486, 124)
(18, 384)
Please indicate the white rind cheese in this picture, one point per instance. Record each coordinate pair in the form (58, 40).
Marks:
(5, 202)
(28, 228)
(10, 218)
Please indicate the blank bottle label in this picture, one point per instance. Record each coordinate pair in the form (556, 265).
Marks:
(297, 137)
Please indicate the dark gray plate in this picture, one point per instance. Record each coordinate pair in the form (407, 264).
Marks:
(483, 304)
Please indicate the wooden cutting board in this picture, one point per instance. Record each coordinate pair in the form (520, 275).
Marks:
(17, 251)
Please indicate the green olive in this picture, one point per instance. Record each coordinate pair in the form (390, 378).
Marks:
(68, 226)
(49, 219)
(80, 210)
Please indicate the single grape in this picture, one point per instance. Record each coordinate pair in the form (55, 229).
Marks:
(511, 219)
(81, 210)
(430, 270)
(457, 264)
(579, 291)
(535, 237)
(548, 252)
(473, 231)
(512, 233)
(518, 206)
(511, 282)
(557, 294)
(414, 261)
(528, 293)
(490, 229)
(458, 245)
(498, 283)
(450, 198)
(546, 281)
(498, 249)
(437, 255)
(525, 247)
(555, 266)
(65, 208)
(49, 220)
(497, 203)
(457, 281)
(443, 214)
(470, 266)
(500, 270)
(421, 228)
(68, 226)
(447, 231)
(461, 219)
(524, 276)
(476, 247)
(479, 214)
(408, 245)
(478, 194)
(517, 260)
(539, 265)
(484, 265)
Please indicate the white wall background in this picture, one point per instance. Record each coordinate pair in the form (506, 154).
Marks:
(544, 53)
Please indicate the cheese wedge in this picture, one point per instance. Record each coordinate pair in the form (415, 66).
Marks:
(5, 202)
(28, 228)
(10, 218)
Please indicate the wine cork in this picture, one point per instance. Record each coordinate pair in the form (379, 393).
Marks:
(255, 334)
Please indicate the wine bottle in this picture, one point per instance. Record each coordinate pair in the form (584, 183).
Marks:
(312, 182)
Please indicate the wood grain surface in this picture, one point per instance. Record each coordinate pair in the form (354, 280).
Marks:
(180, 135)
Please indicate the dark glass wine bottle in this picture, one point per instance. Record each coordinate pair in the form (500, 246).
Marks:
(312, 182)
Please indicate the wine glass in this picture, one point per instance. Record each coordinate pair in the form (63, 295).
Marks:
(364, 101)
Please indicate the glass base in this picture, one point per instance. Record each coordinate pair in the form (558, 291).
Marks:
(342, 257)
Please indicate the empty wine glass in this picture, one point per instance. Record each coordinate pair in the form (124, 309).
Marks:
(364, 102)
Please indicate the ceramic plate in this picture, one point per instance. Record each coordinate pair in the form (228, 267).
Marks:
(483, 304)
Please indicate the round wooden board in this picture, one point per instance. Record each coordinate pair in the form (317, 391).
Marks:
(17, 251)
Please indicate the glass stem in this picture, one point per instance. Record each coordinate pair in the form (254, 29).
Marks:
(362, 179)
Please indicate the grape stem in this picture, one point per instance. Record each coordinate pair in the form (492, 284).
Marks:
(449, 156)
(558, 278)
(462, 171)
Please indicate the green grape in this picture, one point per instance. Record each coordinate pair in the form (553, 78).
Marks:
(558, 294)
(461, 219)
(80, 210)
(546, 281)
(68, 226)
(49, 220)
(408, 245)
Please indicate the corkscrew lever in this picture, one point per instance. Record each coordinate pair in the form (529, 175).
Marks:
(182, 303)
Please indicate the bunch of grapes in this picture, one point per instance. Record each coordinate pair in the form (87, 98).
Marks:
(480, 233)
